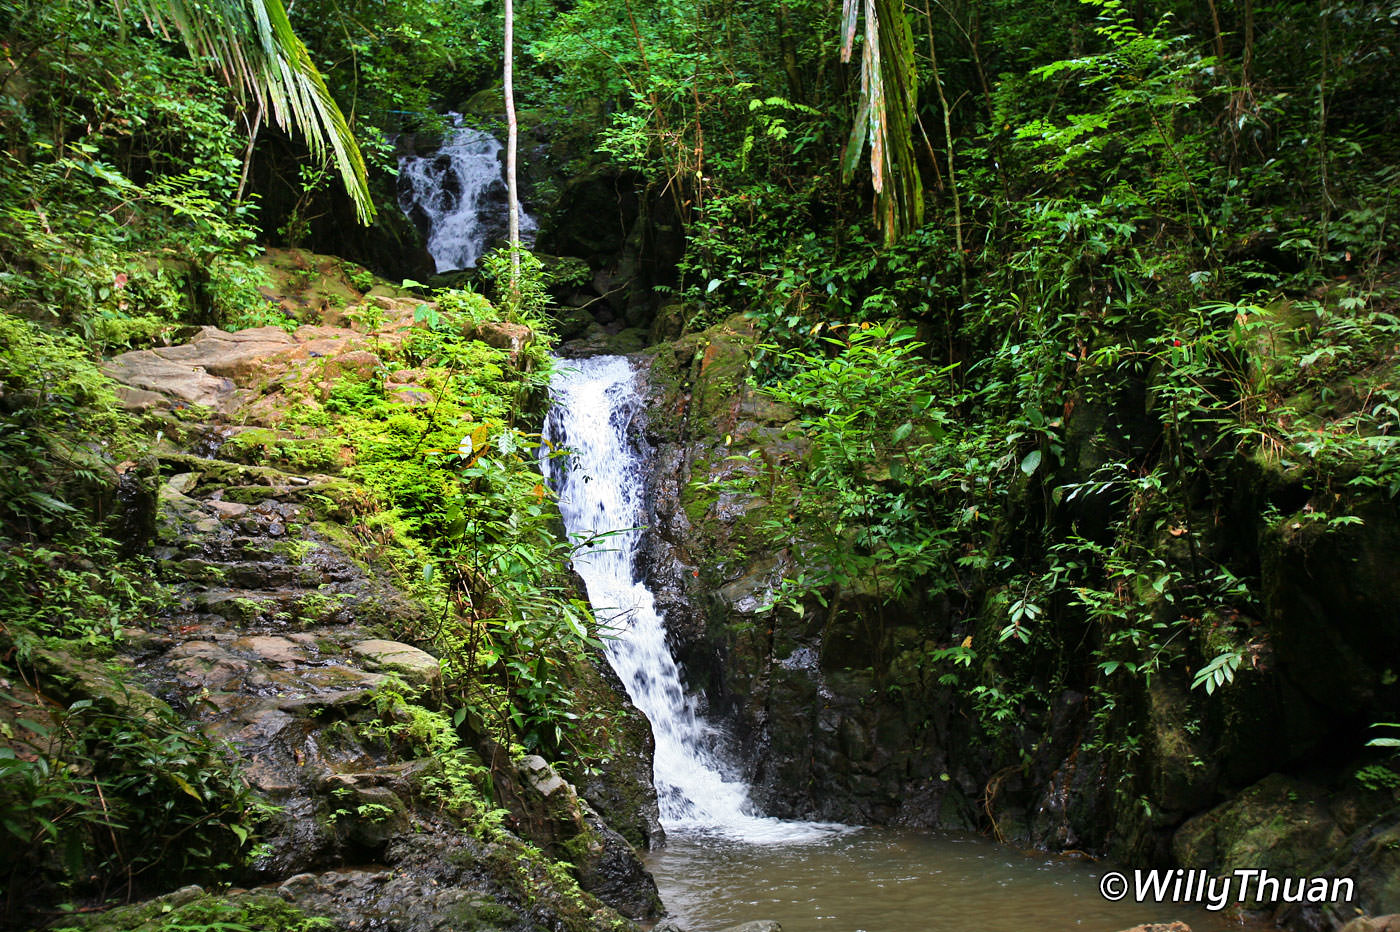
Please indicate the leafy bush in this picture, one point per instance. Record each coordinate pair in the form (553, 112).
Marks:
(106, 802)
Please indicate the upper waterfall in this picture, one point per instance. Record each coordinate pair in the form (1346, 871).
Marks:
(599, 482)
(458, 192)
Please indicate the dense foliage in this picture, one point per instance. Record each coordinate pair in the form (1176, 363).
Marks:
(1046, 285)
(1156, 274)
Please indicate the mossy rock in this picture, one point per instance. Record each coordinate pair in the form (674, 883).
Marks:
(479, 914)
(68, 677)
(485, 104)
(1278, 824)
(192, 908)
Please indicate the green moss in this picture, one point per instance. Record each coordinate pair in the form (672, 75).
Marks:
(262, 446)
(480, 915)
(191, 909)
(318, 606)
(697, 504)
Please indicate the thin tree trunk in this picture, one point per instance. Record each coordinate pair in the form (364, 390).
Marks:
(952, 173)
(512, 138)
(253, 126)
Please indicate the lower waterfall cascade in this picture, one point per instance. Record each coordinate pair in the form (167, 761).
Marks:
(599, 480)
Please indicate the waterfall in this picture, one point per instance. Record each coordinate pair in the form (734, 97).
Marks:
(599, 483)
(457, 196)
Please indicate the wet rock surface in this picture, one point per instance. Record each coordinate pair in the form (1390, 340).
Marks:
(793, 691)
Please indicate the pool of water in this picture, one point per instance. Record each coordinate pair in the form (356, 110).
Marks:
(884, 880)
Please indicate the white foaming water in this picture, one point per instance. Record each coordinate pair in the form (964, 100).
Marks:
(461, 192)
(599, 484)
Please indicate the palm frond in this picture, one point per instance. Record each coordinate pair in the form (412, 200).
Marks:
(252, 46)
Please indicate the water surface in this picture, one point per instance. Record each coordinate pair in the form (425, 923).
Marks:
(887, 880)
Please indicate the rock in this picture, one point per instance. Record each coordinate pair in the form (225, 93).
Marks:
(1389, 923)
(290, 887)
(361, 364)
(270, 649)
(231, 355)
(207, 666)
(227, 509)
(551, 815)
(276, 640)
(629, 340)
(68, 678)
(622, 791)
(183, 482)
(368, 815)
(1292, 828)
(503, 335)
(417, 666)
(138, 400)
(152, 374)
(1279, 824)
(1332, 605)
(439, 884)
(611, 870)
(411, 397)
(542, 777)
(669, 322)
(1160, 927)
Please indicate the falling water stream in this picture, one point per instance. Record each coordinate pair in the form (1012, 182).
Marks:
(458, 192)
(725, 862)
(599, 483)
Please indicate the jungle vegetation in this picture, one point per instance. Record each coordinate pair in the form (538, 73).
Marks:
(1048, 283)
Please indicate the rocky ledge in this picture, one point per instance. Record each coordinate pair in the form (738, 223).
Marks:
(293, 633)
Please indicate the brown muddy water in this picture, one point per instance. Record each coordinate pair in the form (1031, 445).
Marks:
(884, 880)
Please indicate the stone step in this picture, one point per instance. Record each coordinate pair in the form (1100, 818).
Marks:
(236, 548)
(268, 609)
(260, 574)
(200, 477)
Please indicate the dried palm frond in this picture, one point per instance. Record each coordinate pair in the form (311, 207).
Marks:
(883, 112)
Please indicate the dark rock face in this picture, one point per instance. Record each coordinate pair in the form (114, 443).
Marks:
(627, 232)
(806, 696)
(621, 791)
(1333, 597)
(1294, 828)
(548, 811)
(280, 650)
(391, 245)
(423, 883)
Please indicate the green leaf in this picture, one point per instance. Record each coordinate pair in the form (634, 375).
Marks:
(184, 784)
(1031, 463)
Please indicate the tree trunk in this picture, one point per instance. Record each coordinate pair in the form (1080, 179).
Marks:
(512, 138)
